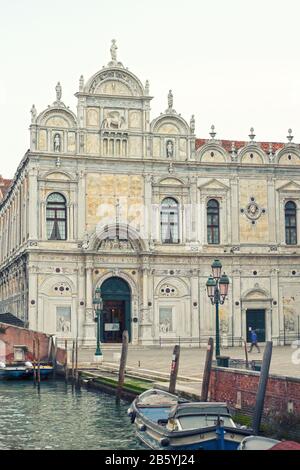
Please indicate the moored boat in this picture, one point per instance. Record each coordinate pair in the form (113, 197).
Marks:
(23, 371)
(165, 422)
(257, 443)
(14, 372)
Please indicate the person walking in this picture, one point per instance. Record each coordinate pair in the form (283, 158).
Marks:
(253, 341)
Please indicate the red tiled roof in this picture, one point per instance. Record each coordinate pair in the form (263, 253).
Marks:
(286, 445)
(226, 144)
(4, 186)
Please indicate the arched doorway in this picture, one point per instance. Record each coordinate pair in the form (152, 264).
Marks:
(116, 315)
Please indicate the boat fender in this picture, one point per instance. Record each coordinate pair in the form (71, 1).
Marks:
(132, 417)
(142, 427)
(164, 442)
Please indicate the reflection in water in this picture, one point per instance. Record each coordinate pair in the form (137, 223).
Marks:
(61, 418)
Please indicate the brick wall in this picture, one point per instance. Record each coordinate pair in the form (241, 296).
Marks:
(11, 336)
(238, 388)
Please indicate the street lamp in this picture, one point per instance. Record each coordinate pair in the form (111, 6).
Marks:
(217, 290)
(98, 302)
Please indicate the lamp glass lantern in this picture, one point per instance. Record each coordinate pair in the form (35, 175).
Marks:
(210, 286)
(216, 269)
(224, 284)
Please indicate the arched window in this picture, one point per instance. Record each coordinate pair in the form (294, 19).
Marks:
(169, 221)
(213, 222)
(56, 217)
(290, 223)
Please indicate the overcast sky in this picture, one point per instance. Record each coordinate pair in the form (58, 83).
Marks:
(232, 63)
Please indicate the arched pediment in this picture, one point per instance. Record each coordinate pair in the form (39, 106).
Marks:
(180, 287)
(120, 238)
(57, 117)
(289, 155)
(51, 286)
(252, 155)
(114, 81)
(212, 152)
(170, 124)
(257, 293)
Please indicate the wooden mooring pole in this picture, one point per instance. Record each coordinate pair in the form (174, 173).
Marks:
(174, 368)
(39, 364)
(123, 361)
(262, 386)
(246, 354)
(73, 360)
(207, 369)
(34, 362)
(66, 360)
(76, 363)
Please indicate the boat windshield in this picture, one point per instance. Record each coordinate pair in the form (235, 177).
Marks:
(203, 421)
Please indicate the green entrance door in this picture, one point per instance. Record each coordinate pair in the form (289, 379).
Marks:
(256, 320)
(116, 315)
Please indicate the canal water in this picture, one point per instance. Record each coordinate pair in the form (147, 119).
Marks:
(60, 417)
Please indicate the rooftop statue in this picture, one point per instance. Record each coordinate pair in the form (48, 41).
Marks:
(58, 90)
(113, 50)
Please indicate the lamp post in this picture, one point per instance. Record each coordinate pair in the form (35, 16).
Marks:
(217, 290)
(98, 302)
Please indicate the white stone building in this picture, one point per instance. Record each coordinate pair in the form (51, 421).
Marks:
(110, 197)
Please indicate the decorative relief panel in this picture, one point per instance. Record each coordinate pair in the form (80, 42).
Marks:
(93, 117)
(42, 142)
(135, 119)
(114, 119)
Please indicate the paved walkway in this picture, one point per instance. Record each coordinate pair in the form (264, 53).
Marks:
(192, 359)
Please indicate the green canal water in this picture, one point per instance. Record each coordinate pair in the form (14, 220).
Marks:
(60, 417)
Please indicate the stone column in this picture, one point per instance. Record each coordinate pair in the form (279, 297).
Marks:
(234, 209)
(89, 339)
(33, 204)
(195, 325)
(145, 320)
(238, 330)
(274, 309)
(271, 212)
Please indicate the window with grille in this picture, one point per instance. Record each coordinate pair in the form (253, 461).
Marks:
(290, 223)
(56, 217)
(169, 221)
(213, 222)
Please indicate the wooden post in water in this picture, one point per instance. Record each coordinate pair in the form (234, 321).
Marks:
(174, 368)
(54, 363)
(123, 361)
(66, 360)
(33, 362)
(207, 369)
(246, 354)
(73, 360)
(76, 362)
(262, 386)
(39, 365)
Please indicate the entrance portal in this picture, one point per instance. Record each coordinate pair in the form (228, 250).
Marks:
(116, 315)
(256, 320)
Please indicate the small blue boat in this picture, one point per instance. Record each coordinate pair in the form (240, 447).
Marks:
(24, 371)
(165, 422)
(15, 373)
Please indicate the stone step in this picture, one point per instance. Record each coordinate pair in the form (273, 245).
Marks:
(146, 373)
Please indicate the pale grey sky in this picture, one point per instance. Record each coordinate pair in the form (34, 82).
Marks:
(232, 63)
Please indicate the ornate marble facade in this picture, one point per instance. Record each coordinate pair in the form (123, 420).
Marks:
(114, 166)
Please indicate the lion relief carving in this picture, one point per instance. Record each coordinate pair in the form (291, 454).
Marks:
(114, 120)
